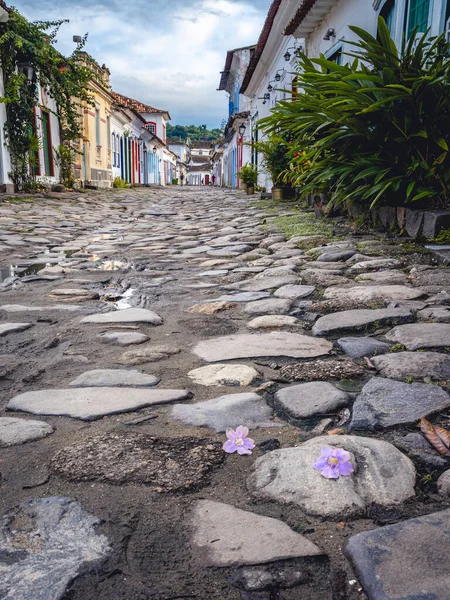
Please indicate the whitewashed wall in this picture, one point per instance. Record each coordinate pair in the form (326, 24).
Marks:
(264, 74)
(5, 162)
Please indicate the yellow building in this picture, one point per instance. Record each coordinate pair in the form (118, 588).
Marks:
(93, 166)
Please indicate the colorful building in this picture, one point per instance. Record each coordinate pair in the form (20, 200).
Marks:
(144, 157)
(93, 167)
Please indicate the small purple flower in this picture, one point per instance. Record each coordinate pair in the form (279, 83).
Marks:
(334, 462)
(238, 441)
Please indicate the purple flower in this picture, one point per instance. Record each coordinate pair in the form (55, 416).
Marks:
(334, 462)
(238, 441)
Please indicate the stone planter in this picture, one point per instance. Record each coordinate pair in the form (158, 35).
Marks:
(277, 193)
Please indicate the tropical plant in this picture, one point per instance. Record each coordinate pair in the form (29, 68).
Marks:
(248, 175)
(175, 181)
(376, 129)
(64, 158)
(275, 153)
(28, 57)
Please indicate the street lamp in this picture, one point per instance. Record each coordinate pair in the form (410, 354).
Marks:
(154, 149)
(242, 129)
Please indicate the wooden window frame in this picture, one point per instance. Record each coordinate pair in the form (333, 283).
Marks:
(47, 136)
(154, 127)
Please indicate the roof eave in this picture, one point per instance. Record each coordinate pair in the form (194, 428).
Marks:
(309, 14)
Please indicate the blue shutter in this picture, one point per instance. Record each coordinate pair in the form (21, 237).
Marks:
(418, 15)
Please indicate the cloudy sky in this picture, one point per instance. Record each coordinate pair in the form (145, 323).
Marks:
(167, 53)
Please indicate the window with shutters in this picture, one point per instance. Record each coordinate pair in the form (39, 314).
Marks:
(47, 144)
(418, 15)
(98, 139)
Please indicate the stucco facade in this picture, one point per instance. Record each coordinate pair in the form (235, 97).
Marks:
(94, 166)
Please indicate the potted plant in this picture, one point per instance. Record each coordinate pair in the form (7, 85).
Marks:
(249, 176)
(275, 154)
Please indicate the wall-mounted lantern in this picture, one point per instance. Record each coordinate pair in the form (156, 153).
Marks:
(329, 34)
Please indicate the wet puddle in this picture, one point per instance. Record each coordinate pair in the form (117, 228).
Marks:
(112, 265)
(125, 301)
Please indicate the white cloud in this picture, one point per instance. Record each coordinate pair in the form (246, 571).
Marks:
(169, 59)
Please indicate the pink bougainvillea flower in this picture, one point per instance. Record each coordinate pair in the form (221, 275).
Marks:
(333, 463)
(238, 441)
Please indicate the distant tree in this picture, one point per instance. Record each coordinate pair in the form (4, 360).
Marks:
(193, 132)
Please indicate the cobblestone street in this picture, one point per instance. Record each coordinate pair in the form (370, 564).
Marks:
(138, 325)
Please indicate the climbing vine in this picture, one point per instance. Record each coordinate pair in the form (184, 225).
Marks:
(29, 58)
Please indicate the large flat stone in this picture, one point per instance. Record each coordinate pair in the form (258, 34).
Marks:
(357, 347)
(310, 399)
(114, 378)
(271, 306)
(123, 338)
(394, 277)
(363, 293)
(73, 295)
(6, 328)
(91, 403)
(263, 344)
(385, 402)
(147, 353)
(351, 320)
(13, 308)
(437, 314)
(323, 277)
(370, 265)
(18, 431)
(336, 255)
(261, 285)
(421, 335)
(128, 315)
(405, 561)
(294, 292)
(226, 411)
(239, 375)
(220, 533)
(382, 475)
(46, 543)
(273, 321)
(413, 364)
(242, 297)
(126, 457)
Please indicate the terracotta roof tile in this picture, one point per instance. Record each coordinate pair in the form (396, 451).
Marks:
(201, 144)
(139, 107)
(302, 11)
(199, 168)
(264, 36)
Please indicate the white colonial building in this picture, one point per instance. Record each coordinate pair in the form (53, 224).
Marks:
(182, 150)
(314, 27)
(199, 168)
(235, 152)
